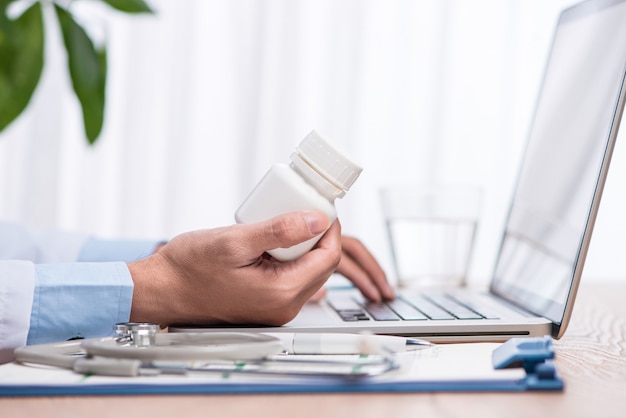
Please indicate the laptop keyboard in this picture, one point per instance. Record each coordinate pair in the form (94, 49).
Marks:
(417, 307)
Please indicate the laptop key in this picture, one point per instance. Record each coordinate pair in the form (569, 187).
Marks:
(348, 309)
(344, 304)
(454, 307)
(485, 312)
(406, 311)
(427, 307)
(353, 316)
(381, 312)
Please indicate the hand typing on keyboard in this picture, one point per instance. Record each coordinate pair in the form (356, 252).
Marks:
(361, 268)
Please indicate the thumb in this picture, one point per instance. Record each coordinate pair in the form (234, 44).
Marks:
(289, 229)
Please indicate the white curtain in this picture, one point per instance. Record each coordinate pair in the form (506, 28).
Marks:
(205, 95)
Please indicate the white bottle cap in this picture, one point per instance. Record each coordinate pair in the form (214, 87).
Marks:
(328, 161)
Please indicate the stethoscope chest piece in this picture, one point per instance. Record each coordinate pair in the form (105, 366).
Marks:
(141, 334)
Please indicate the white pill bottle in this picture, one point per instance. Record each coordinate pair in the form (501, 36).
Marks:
(317, 175)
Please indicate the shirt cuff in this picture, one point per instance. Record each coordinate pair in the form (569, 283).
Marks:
(79, 300)
(17, 283)
(96, 249)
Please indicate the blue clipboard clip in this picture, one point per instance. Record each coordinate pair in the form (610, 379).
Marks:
(536, 356)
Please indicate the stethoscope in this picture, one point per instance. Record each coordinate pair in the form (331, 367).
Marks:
(140, 349)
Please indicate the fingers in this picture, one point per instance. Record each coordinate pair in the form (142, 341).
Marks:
(285, 230)
(302, 280)
(323, 260)
(360, 266)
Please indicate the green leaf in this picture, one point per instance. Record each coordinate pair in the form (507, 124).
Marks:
(88, 71)
(21, 60)
(129, 6)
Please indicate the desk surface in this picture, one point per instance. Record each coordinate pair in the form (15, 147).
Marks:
(591, 358)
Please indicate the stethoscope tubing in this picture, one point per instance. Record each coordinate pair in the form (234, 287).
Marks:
(108, 356)
(176, 353)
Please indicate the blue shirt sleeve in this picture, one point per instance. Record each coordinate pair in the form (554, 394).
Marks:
(96, 249)
(79, 299)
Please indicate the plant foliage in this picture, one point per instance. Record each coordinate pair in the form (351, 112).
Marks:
(22, 42)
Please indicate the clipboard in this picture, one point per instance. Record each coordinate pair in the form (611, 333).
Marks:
(520, 364)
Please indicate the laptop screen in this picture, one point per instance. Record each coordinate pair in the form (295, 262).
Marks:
(564, 167)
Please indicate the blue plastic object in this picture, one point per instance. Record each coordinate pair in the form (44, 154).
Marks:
(535, 355)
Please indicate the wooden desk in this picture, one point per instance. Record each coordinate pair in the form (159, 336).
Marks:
(591, 358)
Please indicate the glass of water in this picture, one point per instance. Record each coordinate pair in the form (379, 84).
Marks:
(431, 233)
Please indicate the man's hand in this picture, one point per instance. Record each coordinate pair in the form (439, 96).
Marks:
(362, 269)
(223, 275)
(359, 266)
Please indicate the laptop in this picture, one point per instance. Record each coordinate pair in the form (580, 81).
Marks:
(552, 211)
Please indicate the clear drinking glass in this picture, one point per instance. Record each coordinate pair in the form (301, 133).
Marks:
(431, 232)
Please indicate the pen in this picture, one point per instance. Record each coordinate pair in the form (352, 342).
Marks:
(342, 343)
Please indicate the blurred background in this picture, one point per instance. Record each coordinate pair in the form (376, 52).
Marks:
(205, 95)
